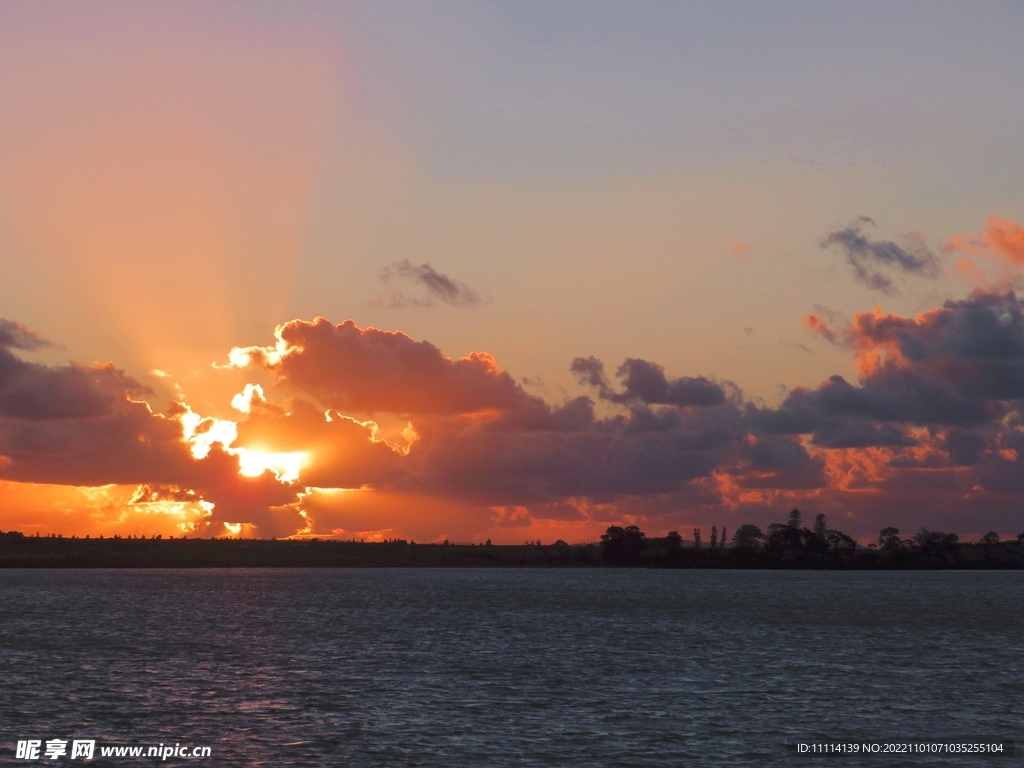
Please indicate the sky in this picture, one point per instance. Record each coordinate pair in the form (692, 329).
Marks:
(510, 270)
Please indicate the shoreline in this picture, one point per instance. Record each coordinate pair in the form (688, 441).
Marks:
(56, 552)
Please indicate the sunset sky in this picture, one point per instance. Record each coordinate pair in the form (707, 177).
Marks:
(510, 270)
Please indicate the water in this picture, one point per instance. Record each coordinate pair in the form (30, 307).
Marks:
(509, 667)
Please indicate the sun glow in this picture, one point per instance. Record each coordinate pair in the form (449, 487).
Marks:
(201, 434)
(286, 466)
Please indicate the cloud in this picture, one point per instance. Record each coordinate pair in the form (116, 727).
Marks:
(34, 392)
(555, 452)
(957, 367)
(933, 415)
(740, 250)
(1006, 237)
(439, 286)
(1002, 237)
(368, 371)
(781, 462)
(818, 325)
(83, 426)
(16, 336)
(342, 452)
(866, 255)
(645, 382)
(1001, 245)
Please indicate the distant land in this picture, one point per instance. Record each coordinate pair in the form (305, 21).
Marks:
(619, 548)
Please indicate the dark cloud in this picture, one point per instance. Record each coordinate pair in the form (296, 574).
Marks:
(483, 440)
(16, 336)
(783, 463)
(645, 382)
(933, 419)
(866, 255)
(964, 448)
(127, 443)
(972, 350)
(34, 392)
(551, 455)
(960, 366)
(439, 286)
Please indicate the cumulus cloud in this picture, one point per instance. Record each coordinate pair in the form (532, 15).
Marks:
(438, 285)
(933, 414)
(866, 255)
(1002, 237)
(960, 366)
(342, 452)
(367, 371)
(554, 452)
(77, 425)
(35, 392)
(645, 382)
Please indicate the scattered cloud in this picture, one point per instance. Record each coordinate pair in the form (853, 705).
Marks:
(739, 250)
(16, 336)
(439, 287)
(932, 422)
(818, 325)
(999, 249)
(645, 382)
(866, 256)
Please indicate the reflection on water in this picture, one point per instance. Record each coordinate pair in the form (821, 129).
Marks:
(509, 667)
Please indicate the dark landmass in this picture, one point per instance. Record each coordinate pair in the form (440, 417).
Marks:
(620, 547)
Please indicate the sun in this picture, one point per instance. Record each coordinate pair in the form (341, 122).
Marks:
(286, 466)
(201, 434)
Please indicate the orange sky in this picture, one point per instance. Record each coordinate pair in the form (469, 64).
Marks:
(583, 325)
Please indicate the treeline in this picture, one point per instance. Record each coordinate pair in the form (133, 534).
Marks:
(792, 545)
(18, 551)
(783, 545)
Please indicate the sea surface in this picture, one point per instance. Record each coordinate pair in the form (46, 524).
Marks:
(510, 667)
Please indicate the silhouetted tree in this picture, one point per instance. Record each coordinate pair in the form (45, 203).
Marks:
(796, 520)
(723, 539)
(889, 539)
(820, 528)
(714, 537)
(747, 537)
(989, 539)
(930, 541)
(696, 538)
(673, 540)
(623, 546)
(839, 542)
(934, 547)
(785, 542)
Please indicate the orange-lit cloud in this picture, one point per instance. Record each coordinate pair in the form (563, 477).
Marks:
(740, 250)
(369, 371)
(817, 325)
(1000, 248)
(468, 454)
